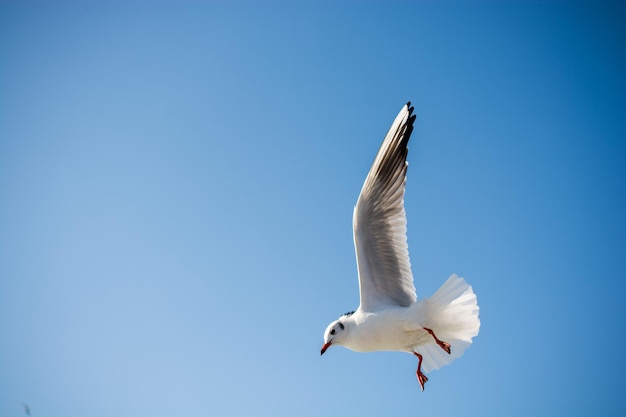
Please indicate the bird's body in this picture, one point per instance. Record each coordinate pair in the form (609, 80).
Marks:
(370, 331)
(390, 317)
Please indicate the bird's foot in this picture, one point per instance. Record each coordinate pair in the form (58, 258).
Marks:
(443, 345)
(421, 378)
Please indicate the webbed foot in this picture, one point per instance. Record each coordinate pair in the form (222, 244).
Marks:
(421, 378)
(443, 345)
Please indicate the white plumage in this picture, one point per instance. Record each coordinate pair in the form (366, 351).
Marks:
(437, 329)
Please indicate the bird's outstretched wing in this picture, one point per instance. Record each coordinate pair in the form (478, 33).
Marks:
(379, 223)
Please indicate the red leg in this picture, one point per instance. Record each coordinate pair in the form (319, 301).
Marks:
(421, 378)
(443, 345)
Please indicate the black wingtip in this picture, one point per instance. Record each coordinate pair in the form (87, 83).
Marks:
(408, 106)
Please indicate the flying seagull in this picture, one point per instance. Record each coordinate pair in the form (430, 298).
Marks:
(390, 317)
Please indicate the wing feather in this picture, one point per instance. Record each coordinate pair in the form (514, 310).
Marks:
(379, 223)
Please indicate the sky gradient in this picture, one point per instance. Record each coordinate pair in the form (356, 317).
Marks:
(177, 182)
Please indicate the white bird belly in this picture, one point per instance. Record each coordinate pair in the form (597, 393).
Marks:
(394, 329)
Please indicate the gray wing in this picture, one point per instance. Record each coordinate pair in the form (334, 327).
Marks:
(379, 223)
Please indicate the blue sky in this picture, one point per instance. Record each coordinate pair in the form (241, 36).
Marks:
(176, 190)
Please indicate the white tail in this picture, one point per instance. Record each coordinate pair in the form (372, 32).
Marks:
(452, 314)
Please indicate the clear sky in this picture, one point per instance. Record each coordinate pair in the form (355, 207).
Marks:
(176, 190)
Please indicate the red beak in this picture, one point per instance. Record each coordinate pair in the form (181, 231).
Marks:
(326, 346)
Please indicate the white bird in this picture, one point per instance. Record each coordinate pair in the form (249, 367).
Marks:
(390, 318)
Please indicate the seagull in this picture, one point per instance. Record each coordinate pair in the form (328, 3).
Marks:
(390, 317)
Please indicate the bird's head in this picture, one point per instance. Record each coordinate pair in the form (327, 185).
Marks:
(336, 332)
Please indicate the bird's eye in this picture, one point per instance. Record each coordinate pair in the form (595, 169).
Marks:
(332, 331)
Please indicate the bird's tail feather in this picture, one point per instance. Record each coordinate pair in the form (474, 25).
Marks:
(452, 314)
